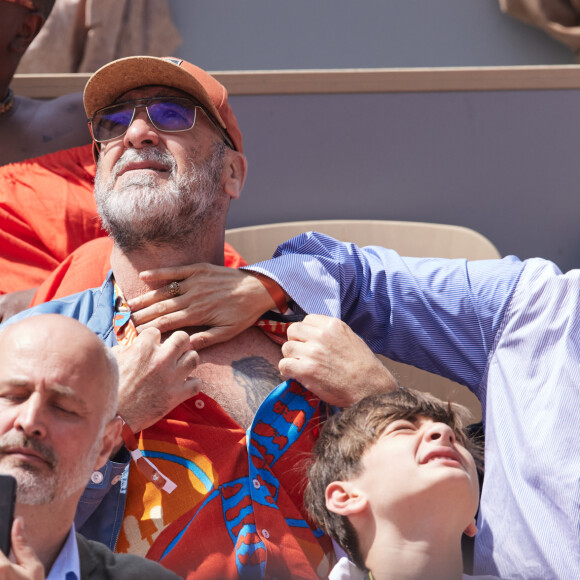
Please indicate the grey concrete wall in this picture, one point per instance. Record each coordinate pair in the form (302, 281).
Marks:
(282, 34)
(503, 163)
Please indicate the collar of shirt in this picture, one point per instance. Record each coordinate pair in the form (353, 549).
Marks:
(125, 330)
(346, 570)
(67, 565)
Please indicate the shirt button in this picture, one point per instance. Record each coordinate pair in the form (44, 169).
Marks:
(199, 404)
(256, 484)
(97, 477)
(265, 533)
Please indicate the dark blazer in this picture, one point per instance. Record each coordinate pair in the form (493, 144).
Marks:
(99, 563)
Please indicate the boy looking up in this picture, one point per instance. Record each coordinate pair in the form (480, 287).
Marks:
(394, 482)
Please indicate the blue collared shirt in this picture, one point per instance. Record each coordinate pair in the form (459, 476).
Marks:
(508, 330)
(67, 566)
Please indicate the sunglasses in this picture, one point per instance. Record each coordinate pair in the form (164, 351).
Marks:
(167, 114)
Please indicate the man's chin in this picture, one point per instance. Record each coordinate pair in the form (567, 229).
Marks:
(33, 488)
(16, 466)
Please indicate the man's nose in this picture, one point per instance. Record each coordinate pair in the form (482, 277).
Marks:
(31, 418)
(141, 132)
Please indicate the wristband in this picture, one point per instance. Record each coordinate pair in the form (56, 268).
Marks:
(273, 289)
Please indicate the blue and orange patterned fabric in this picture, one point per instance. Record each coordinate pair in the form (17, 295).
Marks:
(237, 510)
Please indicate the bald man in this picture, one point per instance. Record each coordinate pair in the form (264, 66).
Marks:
(57, 425)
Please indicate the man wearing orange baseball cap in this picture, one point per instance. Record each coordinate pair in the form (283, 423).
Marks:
(215, 488)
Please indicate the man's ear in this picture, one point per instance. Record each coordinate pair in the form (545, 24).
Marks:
(235, 170)
(344, 499)
(111, 437)
(28, 29)
(471, 529)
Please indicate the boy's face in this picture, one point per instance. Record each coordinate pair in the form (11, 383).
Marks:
(418, 467)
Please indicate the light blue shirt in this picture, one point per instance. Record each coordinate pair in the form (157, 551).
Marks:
(67, 566)
(508, 330)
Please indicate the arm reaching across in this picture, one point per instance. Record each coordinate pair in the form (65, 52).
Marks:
(226, 300)
(330, 360)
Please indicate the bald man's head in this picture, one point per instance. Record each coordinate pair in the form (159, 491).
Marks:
(58, 398)
(53, 334)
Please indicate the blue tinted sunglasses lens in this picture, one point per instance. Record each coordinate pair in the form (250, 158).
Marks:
(112, 122)
(172, 115)
(165, 115)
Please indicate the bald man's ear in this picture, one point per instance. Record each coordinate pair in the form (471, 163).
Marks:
(343, 498)
(28, 29)
(234, 175)
(111, 439)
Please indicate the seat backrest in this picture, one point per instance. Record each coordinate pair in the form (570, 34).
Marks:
(419, 239)
(256, 243)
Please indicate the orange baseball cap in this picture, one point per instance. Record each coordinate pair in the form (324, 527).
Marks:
(120, 76)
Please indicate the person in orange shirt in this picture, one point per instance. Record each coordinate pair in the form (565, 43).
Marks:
(47, 207)
(214, 491)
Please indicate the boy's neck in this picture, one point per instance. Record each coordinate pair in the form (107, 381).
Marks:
(404, 556)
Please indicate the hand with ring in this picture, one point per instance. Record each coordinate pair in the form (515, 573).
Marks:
(226, 300)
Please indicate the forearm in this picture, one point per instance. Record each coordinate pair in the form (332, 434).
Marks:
(440, 315)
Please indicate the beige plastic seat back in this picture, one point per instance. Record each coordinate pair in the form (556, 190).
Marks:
(256, 243)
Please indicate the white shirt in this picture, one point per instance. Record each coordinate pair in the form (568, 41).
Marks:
(346, 570)
(510, 331)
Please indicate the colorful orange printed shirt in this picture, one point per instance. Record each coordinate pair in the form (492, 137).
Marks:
(237, 510)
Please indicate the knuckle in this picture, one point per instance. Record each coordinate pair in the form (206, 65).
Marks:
(163, 321)
(284, 366)
(294, 328)
(287, 348)
(202, 341)
(198, 270)
(191, 361)
(335, 323)
(181, 336)
(152, 332)
(308, 367)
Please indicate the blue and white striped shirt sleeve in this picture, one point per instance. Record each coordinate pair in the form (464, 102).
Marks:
(439, 315)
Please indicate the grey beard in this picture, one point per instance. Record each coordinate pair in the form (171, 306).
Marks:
(37, 488)
(143, 212)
